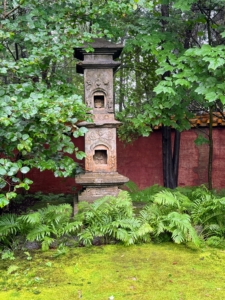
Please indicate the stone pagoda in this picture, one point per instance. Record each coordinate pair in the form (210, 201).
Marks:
(101, 177)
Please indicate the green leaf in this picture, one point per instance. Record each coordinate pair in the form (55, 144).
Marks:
(3, 171)
(80, 155)
(201, 140)
(3, 201)
(20, 147)
(216, 62)
(212, 96)
(24, 170)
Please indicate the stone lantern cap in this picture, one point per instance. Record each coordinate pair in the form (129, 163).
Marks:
(101, 58)
(101, 47)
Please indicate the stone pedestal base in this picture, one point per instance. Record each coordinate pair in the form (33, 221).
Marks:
(99, 184)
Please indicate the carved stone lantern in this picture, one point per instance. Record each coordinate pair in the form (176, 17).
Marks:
(101, 177)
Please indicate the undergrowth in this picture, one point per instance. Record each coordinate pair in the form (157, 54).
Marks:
(194, 214)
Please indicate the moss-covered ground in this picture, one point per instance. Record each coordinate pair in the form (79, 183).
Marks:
(142, 272)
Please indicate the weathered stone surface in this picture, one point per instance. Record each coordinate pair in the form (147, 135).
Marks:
(101, 179)
(102, 120)
(92, 193)
(102, 48)
(100, 143)
(99, 90)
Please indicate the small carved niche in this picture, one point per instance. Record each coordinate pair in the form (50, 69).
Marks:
(100, 157)
(99, 101)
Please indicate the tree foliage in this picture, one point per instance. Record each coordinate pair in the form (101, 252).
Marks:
(172, 63)
(184, 42)
(40, 104)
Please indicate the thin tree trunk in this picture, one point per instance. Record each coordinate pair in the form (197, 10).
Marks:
(168, 166)
(210, 148)
(210, 117)
(170, 159)
(176, 156)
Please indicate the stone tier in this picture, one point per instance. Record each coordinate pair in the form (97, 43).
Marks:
(101, 120)
(100, 184)
(101, 179)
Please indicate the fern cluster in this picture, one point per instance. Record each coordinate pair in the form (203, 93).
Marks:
(112, 218)
(195, 215)
(168, 215)
(44, 226)
(146, 195)
(109, 218)
(186, 214)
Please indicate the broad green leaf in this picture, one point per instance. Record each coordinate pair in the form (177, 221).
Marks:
(80, 155)
(216, 62)
(24, 170)
(3, 171)
(3, 201)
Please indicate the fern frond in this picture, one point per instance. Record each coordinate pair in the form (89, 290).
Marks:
(166, 198)
(122, 235)
(38, 233)
(32, 218)
(86, 237)
(181, 228)
(144, 229)
(71, 227)
(9, 224)
(132, 186)
(47, 241)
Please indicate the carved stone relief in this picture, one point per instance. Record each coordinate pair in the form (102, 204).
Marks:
(100, 148)
(99, 80)
(88, 163)
(100, 134)
(110, 103)
(112, 163)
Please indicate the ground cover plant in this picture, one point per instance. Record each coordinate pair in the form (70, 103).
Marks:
(142, 263)
(195, 215)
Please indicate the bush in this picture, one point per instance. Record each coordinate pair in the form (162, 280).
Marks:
(44, 226)
(112, 219)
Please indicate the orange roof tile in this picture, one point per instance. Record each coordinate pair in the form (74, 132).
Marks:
(203, 120)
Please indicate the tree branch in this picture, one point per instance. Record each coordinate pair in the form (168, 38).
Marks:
(7, 47)
(6, 15)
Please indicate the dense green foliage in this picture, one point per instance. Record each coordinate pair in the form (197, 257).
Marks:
(112, 218)
(195, 215)
(173, 54)
(172, 65)
(182, 210)
(40, 98)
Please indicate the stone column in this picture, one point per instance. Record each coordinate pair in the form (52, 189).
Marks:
(101, 177)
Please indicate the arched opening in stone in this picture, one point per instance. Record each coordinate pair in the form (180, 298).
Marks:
(99, 101)
(100, 157)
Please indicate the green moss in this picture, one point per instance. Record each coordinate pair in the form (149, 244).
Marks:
(164, 271)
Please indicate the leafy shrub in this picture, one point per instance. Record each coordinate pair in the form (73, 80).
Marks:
(9, 228)
(111, 218)
(209, 212)
(23, 202)
(44, 226)
(166, 215)
(216, 242)
(145, 195)
(169, 214)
